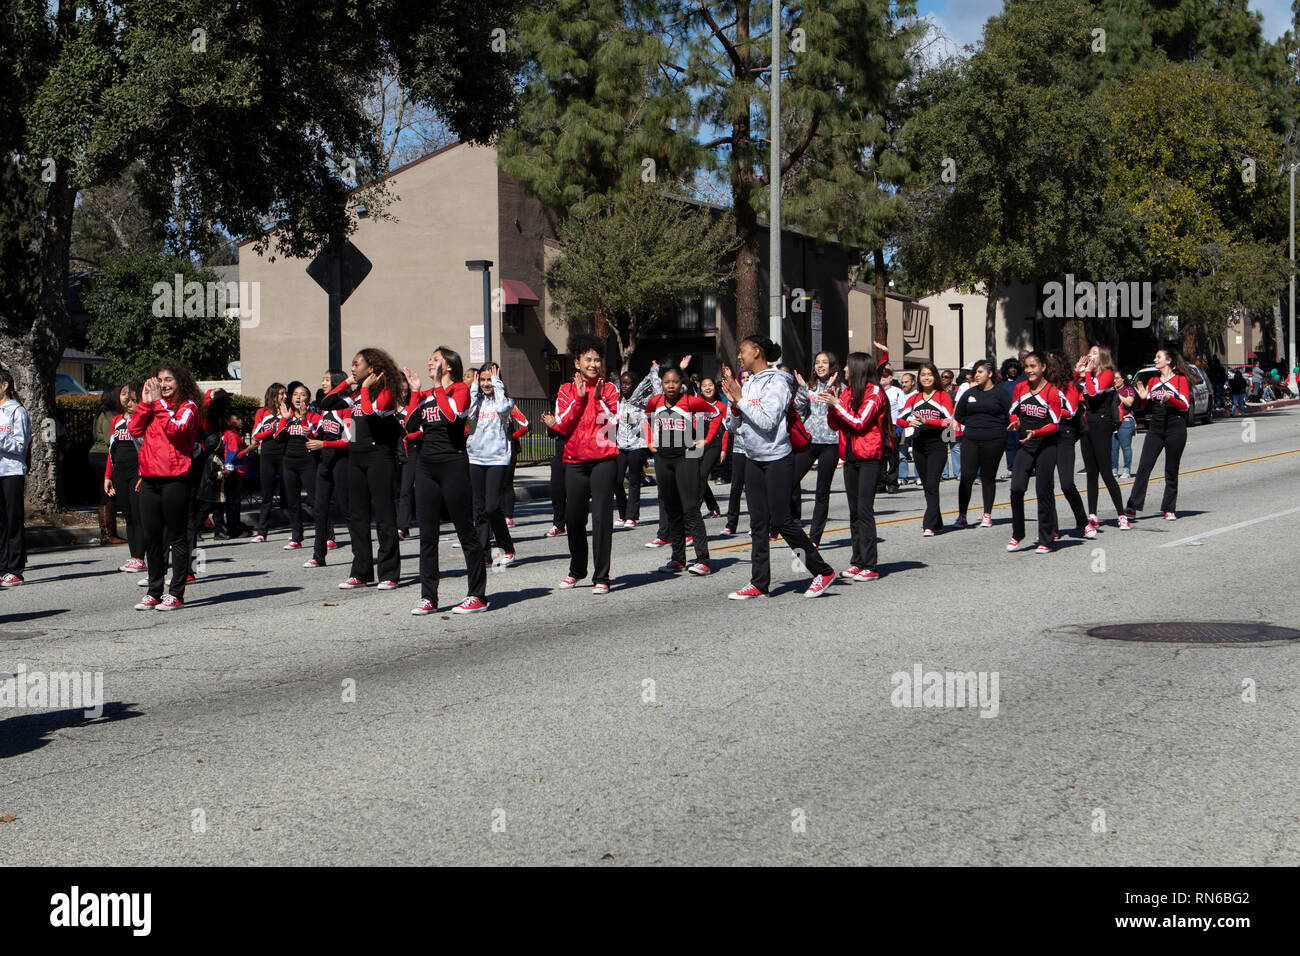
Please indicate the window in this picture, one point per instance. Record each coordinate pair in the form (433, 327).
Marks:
(693, 315)
(513, 319)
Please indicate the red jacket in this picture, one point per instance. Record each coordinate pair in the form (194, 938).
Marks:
(170, 437)
(590, 423)
(865, 426)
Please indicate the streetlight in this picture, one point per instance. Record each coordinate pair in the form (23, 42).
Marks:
(485, 265)
(1290, 369)
(960, 309)
(775, 299)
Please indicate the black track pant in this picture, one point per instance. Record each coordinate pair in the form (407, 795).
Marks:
(979, 458)
(331, 473)
(508, 493)
(590, 485)
(234, 504)
(128, 499)
(1171, 439)
(889, 469)
(767, 495)
(559, 487)
(709, 461)
(445, 485)
(299, 475)
(679, 498)
(165, 514)
(861, 479)
(631, 465)
(406, 503)
(826, 457)
(930, 453)
(370, 491)
(1096, 460)
(13, 552)
(487, 485)
(270, 465)
(737, 488)
(1042, 462)
(1066, 437)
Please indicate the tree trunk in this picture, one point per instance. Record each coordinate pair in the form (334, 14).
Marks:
(743, 179)
(1189, 342)
(994, 284)
(880, 322)
(33, 355)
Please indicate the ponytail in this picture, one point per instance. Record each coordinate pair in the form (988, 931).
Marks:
(771, 351)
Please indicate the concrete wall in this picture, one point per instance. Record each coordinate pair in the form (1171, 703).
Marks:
(418, 295)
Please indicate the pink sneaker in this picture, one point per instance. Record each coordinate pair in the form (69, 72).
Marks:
(313, 563)
(1013, 544)
(689, 540)
(424, 607)
(986, 520)
(471, 605)
(331, 545)
(147, 603)
(1090, 531)
(819, 585)
(1170, 516)
(170, 603)
(1043, 549)
(1123, 523)
(746, 593)
(260, 538)
(293, 546)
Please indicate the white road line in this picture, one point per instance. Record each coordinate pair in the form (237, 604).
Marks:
(1231, 527)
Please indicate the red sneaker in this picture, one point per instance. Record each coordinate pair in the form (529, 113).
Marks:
(424, 607)
(869, 576)
(351, 583)
(331, 545)
(568, 581)
(471, 605)
(746, 593)
(700, 569)
(657, 543)
(147, 603)
(554, 531)
(819, 585)
(852, 571)
(170, 603)
(672, 567)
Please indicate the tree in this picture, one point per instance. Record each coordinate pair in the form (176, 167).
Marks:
(635, 257)
(238, 115)
(1009, 145)
(125, 299)
(1194, 160)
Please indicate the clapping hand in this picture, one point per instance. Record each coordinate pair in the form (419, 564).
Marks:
(151, 391)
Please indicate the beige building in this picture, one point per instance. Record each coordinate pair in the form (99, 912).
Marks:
(455, 205)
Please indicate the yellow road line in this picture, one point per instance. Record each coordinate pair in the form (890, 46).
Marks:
(742, 545)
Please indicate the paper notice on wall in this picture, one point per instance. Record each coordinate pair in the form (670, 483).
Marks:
(476, 345)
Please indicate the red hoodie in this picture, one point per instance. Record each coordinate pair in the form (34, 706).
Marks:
(863, 427)
(589, 422)
(170, 437)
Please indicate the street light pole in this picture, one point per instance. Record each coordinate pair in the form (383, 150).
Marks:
(1290, 365)
(775, 299)
(486, 266)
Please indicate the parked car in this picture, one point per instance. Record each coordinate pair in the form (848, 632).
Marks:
(1202, 410)
(65, 384)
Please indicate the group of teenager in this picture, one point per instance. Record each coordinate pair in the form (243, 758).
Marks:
(372, 435)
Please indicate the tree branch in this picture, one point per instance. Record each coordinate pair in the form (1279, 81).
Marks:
(728, 47)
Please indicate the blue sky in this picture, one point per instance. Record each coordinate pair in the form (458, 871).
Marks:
(962, 20)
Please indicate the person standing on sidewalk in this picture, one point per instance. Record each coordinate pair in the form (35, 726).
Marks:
(1122, 442)
(15, 455)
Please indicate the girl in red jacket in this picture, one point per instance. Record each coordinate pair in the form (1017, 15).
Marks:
(860, 413)
(929, 411)
(167, 419)
(370, 392)
(586, 413)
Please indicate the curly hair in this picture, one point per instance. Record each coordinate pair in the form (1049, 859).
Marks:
(187, 390)
(381, 360)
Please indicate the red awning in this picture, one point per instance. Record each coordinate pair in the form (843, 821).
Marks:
(518, 293)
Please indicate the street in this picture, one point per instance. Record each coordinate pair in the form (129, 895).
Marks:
(278, 720)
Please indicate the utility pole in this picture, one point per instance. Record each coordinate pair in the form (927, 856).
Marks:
(776, 301)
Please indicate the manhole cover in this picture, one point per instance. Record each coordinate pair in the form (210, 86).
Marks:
(1195, 632)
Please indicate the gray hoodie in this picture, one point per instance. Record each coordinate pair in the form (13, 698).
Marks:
(15, 438)
(631, 413)
(488, 425)
(764, 433)
(814, 413)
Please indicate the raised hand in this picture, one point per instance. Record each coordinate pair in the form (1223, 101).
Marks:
(151, 391)
(580, 386)
(411, 379)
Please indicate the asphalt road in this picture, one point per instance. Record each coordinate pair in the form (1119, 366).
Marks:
(532, 733)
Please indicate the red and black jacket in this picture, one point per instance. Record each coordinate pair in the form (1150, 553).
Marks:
(438, 417)
(865, 427)
(589, 423)
(1039, 412)
(1169, 401)
(673, 428)
(934, 412)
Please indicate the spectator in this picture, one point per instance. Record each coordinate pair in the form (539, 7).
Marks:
(1122, 440)
(952, 467)
(905, 471)
(889, 475)
(1012, 375)
(1237, 388)
(98, 455)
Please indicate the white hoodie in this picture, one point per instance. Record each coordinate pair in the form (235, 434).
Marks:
(488, 425)
(15, 439)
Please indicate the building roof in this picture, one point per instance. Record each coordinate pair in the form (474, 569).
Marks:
(85, 358)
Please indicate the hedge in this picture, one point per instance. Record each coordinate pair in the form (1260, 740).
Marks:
(78, 414)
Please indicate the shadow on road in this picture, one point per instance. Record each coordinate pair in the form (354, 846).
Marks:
(29, 616)
(240, 596)
(20, 735)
